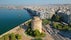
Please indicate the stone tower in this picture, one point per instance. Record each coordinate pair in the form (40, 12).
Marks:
(37, 24)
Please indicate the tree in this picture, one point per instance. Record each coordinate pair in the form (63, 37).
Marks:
(2, 38)
(12, 36)
(18, 37)
(45, 21)
(69, 28)
(59, 26)
(55, 25)
(56, 18)
(6, 37)
(36, 33)
(65, 27)
(42, 34)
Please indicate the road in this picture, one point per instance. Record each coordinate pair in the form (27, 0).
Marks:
(53, 33)
(48, 36)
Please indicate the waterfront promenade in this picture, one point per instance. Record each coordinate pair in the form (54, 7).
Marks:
(14, 30)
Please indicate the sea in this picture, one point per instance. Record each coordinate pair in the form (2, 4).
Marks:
(10, 18)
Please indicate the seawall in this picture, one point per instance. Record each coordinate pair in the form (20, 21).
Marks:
(13, 30)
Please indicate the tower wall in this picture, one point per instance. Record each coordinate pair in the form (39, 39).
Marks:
(37, 24)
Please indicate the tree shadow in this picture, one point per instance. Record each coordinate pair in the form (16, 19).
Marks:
(66, 34)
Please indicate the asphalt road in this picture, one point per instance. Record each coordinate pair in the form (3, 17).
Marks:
(53, 33)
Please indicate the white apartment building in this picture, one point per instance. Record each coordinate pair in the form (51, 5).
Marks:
(45, 14)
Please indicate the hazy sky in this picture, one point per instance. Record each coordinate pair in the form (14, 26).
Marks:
(33, 2)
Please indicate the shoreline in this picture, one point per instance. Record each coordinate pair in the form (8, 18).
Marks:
(13, 29)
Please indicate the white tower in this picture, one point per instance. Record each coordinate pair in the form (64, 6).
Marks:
(37, 24)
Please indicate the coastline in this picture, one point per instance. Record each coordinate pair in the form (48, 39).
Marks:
(14, 29)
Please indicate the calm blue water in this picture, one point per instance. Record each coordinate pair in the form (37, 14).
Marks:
(11, 18)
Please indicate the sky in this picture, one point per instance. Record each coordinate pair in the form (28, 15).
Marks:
(33, 2)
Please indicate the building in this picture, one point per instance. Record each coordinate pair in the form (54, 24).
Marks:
(37, 24)
(65, 14)
(46, 13)
(69, 18)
